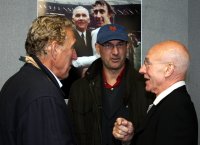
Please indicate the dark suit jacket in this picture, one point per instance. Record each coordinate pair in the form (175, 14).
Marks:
(33, 111)
(81, 50)
(172, 122)
(80, 47)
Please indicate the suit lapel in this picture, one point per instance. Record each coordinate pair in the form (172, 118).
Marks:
(88, 38)
(148, 117)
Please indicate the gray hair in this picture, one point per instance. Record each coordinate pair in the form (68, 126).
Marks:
(78, 8)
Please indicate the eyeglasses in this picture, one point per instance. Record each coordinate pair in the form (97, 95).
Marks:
(110, 46)
(147, 63)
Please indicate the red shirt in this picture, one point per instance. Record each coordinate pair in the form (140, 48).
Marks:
(119, 79)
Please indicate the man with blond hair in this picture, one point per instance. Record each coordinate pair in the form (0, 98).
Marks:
(32, 106)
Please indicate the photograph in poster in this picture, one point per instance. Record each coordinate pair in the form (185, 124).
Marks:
(88, 16)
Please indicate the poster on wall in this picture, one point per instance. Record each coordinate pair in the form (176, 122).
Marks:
(88, 16)
(123, 12)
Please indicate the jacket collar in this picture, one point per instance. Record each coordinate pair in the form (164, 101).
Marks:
(94, 69)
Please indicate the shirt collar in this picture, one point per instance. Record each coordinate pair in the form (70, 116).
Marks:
(168, 91)
(80, 33)
(118, 80)
(59, 82)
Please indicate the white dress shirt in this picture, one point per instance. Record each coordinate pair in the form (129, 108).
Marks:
(166, 92)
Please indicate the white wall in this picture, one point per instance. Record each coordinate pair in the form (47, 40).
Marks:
(164, 19)
(194, 46)
(15, 18)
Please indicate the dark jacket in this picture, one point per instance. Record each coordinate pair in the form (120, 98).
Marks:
(33, 111)
(80, 47)
(171, 122)
(85, 102)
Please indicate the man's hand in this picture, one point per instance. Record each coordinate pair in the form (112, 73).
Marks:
(123, 130)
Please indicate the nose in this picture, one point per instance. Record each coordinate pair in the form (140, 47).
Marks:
(115, 50)
(142, 69)
(74, 55)
(98, 14)
(81, 17)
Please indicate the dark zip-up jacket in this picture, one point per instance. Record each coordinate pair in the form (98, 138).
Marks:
(85, 102)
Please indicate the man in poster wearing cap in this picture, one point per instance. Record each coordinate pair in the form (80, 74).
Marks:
(111, 88)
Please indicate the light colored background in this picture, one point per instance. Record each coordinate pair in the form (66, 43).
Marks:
(161, 19)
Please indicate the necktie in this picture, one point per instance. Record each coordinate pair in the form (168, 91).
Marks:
(149, 108)
(82, 36)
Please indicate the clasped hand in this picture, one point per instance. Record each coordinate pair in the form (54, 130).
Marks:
(123, 130)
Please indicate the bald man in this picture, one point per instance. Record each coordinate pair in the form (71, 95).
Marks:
(171, 119)
(81, 20)
(83, 46)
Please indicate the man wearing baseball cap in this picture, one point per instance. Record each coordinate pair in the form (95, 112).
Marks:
(110, 89)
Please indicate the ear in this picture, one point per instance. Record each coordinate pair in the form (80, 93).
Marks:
(54, 49)
(128, 46)
(169, 69)
(97, 46)
(107, 19)
(73, 20)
